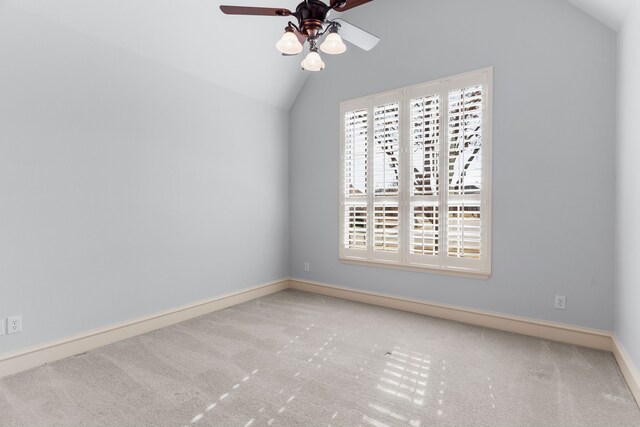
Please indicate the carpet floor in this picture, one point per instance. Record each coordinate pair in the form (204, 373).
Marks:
(299, 359)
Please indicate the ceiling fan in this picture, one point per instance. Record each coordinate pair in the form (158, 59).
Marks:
(313, 23)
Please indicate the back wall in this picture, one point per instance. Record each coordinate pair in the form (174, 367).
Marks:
(553, 151)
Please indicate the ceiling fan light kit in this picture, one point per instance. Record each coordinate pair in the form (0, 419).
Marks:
(313, 61)
(312, 25)
(289, 43)
(333, 44)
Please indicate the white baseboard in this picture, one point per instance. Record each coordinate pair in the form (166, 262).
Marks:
(568, 334)
(21, 360)
(629, 370)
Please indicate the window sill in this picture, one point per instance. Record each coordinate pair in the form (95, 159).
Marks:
(418, 268)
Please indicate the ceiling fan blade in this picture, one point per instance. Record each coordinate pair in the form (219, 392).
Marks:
(356, 36)
(262, 11)
(350, 4)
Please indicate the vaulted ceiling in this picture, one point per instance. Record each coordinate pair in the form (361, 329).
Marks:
(236, 52)
(610, 12)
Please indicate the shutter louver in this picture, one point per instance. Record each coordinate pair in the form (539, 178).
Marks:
(386, 137)
(386, 232)
(465, 141)
(424, 125)
(355, 156)
(386, 177)
(463, 231)
(465, 173)
(355, 179)
(424, 229)
(356, 226)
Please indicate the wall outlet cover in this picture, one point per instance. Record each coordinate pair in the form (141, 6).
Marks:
(14, 325)
(561, 302)
(3, 327)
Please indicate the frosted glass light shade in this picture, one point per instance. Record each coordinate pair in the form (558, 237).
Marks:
(333, 44)
(313, 62)
(289, 44)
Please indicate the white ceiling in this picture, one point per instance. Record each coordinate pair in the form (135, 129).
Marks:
(236, 52)
(611, 12)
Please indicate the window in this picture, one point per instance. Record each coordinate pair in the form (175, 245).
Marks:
(416, 177)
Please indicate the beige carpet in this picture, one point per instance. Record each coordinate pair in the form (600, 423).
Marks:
(297, 359)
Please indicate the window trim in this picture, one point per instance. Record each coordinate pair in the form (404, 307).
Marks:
(481, 269)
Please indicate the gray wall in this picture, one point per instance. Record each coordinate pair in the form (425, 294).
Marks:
(627, 182)
(127, 187)
(554, 133)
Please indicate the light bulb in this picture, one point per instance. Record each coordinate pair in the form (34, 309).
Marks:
(289, 44)
(313, 62)
(333, 44)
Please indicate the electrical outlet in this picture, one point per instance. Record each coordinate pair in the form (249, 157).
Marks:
(307, 268)
(14, 325)
(561, 302)
(3, 327)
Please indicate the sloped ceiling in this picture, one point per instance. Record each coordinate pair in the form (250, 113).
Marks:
(611, 12)
(237, 52)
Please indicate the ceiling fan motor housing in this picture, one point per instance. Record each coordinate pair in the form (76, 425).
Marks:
(311, 17)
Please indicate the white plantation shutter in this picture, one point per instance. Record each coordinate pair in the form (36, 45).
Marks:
(386, 179)
(416, 176)
(356, 226)
(424, 179)
(464, 225)
(355, 163)
(464, 230)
